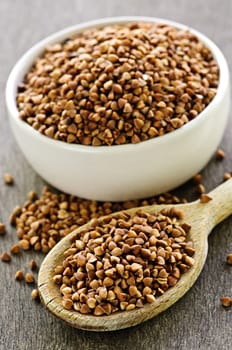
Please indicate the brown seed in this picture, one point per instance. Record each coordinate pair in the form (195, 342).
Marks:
(186, 227)
(117, 88)
(120, 269)
(150, 298)
(84, 309)
(50, 131)
(172, 280)
(34, 240)
(100, 274)
(5, 257)
(66, 290)
(89, 267)
(37, 246)
(205, 198)
(226, 176)
(59, 269)
(15, 213)
(147, 281)
(108, 282)
(133, 291)
(102, 293)
(15, 249)
(91, 302)
(201, 188)
(20, 232)
(32, 195)
(146, 291)
(110, 272)
(145, 253)
(67, 304)
(29, 278)
(189, 261)
(226, 301)
(160, 260)
(32, 265)
(2, 229)
(8, 179)
(197, 179)
(176, 272)
(135, 267)
(229, 259)
(108, 84)
(220, 154)
(123, 305)
(98, 251)
(127, 108)
(79, 244)
(35, 294)
(57, 279)
(116, 251)
(189, 250)
(98, 311)
(19, 275)
(81, 260)
(130, 307)
(111, 295)
(24, 244)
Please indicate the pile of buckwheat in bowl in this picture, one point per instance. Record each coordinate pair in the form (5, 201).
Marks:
(118, 84)
(113, 94)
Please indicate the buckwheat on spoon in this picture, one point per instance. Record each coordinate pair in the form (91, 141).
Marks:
(108, 281)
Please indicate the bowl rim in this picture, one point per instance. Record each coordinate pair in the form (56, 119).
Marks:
(34, 52)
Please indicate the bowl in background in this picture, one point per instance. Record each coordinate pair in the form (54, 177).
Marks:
(129, 171)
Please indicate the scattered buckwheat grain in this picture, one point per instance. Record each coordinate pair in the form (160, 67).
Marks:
(42, 222)
(226, 301)
(8, 179)
(226, 176)
(2, 229)
(29, 278)
(197, 179)
(15, 213)
(201, 188)
(220, 154)
(5, 257)
(229, 259)
(205, 198)
(33, 265)
(19, 276)
(15, 249)
(35, 294)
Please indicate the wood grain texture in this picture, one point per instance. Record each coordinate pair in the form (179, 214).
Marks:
(197, 321)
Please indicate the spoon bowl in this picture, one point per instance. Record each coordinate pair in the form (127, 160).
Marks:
(202, 217)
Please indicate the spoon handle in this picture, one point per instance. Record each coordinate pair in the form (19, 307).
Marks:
(220, 207)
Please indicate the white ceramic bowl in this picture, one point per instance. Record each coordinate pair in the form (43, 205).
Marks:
(124, 171)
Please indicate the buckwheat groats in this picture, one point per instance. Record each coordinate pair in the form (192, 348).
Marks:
(124, 261)
(41, 222)
(118, 84)
(2, 229)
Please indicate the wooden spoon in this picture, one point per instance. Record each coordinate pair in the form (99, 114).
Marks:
(203, 217)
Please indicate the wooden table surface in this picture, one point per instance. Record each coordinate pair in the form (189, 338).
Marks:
(197, 321)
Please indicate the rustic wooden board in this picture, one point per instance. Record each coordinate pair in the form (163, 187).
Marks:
(197, 321)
